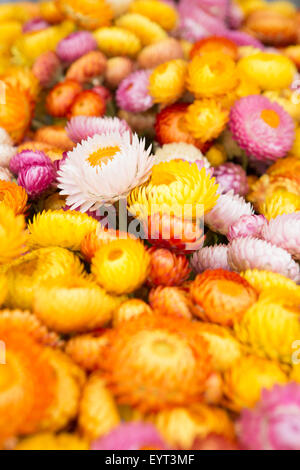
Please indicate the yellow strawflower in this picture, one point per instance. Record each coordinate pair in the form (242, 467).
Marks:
(205, 119)
(163, 14)
(61, 228)
(280, 202)
(51, 441)
(167, 81)
(295, 150)
(146, 30)
(216, 155)
(9, 32)
(89, 14)
(13, 237)
(121, 266)
(116, 41)
(267, 280)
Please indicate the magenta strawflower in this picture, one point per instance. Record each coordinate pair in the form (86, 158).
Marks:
(47, 68)
(231, 176)
(247, 226)
(37, 24)
(262, 128)
(81, 127)
(195, 23)
(229, 208)
(76, 45)
(28, 158)
(253, 253)
(132, 94)
(210, 257)
(284, 231)
(131, 436)
(274, 422)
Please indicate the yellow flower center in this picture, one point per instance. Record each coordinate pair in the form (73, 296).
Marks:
(230, 288)
(115, 255)
(103, 155)
(270, 117)
(163, 348)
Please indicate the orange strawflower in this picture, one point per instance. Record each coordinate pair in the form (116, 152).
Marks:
(272, 28)
(288, 167)
(214, 44)
(87, 350)
(87, 67)
(16, 113)
(13, 196)
(156, 361)
(221, 296)
(171, 301)
(61, 98)
(167, 268)
(97, 238)
(132, 308)
(87, 103)
(55, 135)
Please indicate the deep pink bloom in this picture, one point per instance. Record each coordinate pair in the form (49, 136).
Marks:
(103, 91)
(263, 138)
(274, 422)
(36, 179)
(81, 127)
(131, 436)
(132, 94)
(28, 158)
(76, 45)
(37, 24)
(247, 226)
(231, 177)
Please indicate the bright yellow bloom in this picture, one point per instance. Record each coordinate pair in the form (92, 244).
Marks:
(12, 235)
(16, 113)
(268, 70)
(50, 11)
(211, 75)
(89, 14)
(206, 119)
(13, 196)
(121, 266)
(69, 383)
(269, 330)
(295, 150)
(24, 79)
(216, 155)
(288, 99)
(30, 46)
(175, 187)
(9, 32)
(280, 202)
(246, 379)
(167, 81)
(146, 30)
(61, 228)
(40, 266)
(267, 280)
(117, 42)
(223, 346)
(76, 306)
(49, 441)
(181, 426)
(98, 413)
(163, 14)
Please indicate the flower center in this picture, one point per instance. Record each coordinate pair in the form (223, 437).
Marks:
(270, 117)
(115, 255)
(103, 155)
(163, 348)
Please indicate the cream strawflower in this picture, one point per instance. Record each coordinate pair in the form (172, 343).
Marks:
(180, 151)
(229, 208)
(210, 257)
(252, 253)
(6, 153)
(104, 169)
(284, 231)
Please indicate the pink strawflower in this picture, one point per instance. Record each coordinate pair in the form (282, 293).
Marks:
(103, 91)
(28, 158)
(235, 15)
(36, 179)
(76, 45)
(231, 176)
(5, 174)
(37, 24)
(132, 94)
(47, 68)
(35, 171)
(284, 231)
(229, 208)
(81, 127)
(247, 226)
(274, 422)
(242, 39)
(216, 8)
(210, 257)
(262, 128)
(252, 253)
(195, 23)
(131, 436)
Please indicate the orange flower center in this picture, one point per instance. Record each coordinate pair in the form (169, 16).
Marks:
(230, 288)
(115, 255)
(103, 155)
(270, 117)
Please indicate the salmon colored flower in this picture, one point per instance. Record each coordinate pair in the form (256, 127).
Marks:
(87, 67)
(86, 350)
(13, 196)
(16, 114)
(54, 136)
(61, 98)
(171, 301)
(166, 268)
(130, 309)
(215, 44)
(87, 103)
(94, 240)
